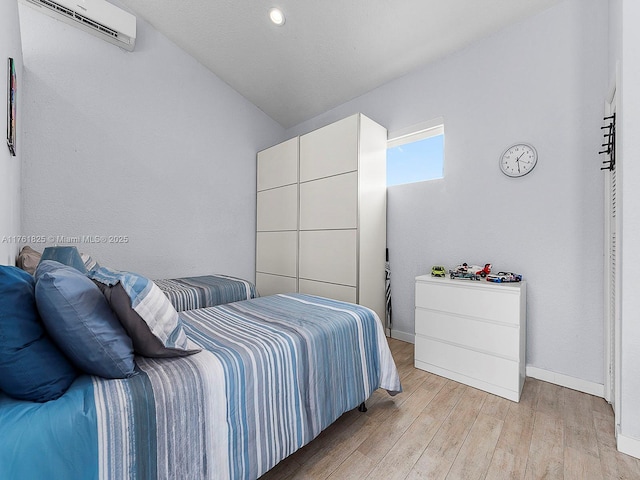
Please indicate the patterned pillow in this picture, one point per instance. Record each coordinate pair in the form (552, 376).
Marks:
(89, 262)
(145, 312)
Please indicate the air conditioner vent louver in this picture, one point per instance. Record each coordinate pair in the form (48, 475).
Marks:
(75, 15)
(58, 8)
(114, 20)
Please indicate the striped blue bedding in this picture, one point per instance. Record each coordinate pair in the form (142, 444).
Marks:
(189, 293)
(273, 373)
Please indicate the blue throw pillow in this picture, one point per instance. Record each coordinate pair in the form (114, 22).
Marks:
(31, 366)
(79, 319)
(65, 255)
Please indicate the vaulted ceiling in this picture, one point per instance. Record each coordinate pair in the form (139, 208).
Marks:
(327, 52)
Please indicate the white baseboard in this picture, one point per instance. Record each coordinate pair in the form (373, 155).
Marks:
(404, 336)
(573, 383)
(628, 445)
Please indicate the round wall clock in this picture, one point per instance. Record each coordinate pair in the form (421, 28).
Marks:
(518, 160)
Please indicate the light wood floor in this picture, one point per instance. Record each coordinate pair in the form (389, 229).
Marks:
(439, 429)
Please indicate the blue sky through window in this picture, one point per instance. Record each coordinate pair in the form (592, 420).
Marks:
(416, 161)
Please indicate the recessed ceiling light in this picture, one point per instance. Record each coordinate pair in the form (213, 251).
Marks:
(276, 16)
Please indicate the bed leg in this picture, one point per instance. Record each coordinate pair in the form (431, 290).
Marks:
(362, 407)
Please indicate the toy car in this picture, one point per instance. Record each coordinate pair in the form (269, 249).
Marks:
(482, 271)
(475, 269)
(501, 277)
(468, 275)
(438, 271)
(462, 271)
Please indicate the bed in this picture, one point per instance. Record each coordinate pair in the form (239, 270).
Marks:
(189, 293)
(186, 293)
(272, 374)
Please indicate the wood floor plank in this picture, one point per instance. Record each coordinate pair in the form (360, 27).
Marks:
(550, 400)
(613, 463)
(388, 433)
(335, 451)
(401, 351)
(546, 455)
(397, 463)
(529, 395)
(580, 432)
(477, 450)
(496, 407)
(284, 469)
(580, 464)
(412, 380)
(436, 460)
(438, 428)
(355, 467)
(605, 429)
(618, 465)
(512, 450)
(505, 466)
(601, 406)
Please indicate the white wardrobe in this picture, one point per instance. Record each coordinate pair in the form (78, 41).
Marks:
(321, 214)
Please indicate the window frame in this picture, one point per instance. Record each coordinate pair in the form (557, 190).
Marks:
(415, 133)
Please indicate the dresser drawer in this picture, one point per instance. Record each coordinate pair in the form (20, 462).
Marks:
(470, 298)
(487, 337)
(471, 364)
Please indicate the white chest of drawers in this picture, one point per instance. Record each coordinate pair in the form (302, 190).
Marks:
(473, 332)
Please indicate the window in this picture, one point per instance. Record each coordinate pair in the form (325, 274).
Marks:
(416, 154)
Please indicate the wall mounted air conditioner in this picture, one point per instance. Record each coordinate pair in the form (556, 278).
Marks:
(97, 17)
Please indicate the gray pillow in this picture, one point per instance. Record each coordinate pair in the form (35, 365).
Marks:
(145, 343)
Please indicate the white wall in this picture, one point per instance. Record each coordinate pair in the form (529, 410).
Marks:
(148, 144)
(10, 46)
(543, 81)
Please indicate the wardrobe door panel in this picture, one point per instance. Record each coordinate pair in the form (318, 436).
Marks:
(277, 209)
(329, 203)
(278, 165)
(330, 150)
(276, 252)
(328, 290)
(328, 256)
(268, 284)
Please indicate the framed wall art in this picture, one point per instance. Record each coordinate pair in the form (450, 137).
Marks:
(12, 87)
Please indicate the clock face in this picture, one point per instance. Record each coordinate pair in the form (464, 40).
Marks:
(518, 160)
